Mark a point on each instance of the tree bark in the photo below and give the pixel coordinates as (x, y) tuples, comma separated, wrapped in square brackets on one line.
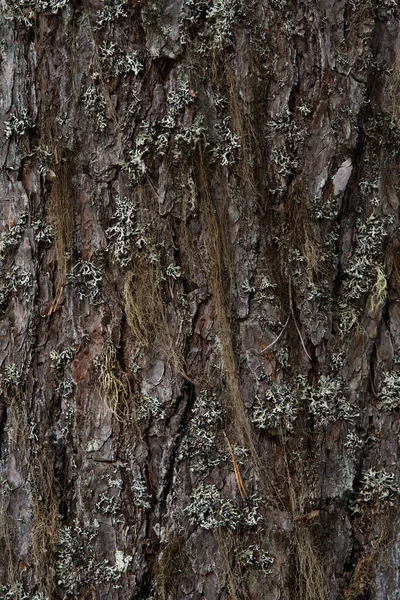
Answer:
[(199, 300)]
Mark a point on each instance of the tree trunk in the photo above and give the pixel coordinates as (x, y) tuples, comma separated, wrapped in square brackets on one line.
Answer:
[(199, 300)]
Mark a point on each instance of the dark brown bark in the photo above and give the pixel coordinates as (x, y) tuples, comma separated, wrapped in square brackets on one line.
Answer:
[(200, 334)]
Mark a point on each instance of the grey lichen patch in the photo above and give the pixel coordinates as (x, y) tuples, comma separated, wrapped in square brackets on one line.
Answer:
[(256, 557), (352, 444), (108, 505), (118, 62), (135, 163), (141, 496), (18, 124), (226, 144), (148, 407), (364, 271), (11, 376), (11, 238), (16, 592), (60, 360), (279, 408), (94, 103), (377, 487), (77, 564), (180, 98), (87, 278), (284, 162), (390, 391), (16, 279), (199, 445), (127, 237), (326, 402), (172, 135), (65, 388), (44, 233), (111, 11), (211, 511), (370, 235), (25, 11), (220, 17)]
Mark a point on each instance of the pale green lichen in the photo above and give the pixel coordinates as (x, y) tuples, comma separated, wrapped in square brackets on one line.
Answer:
[(77, 564), (256, 557), (326, 403), (219, 17), (209, 510), (141, 497), (278, 409), (369, 237), (16, 278), (150, 406), (65, 388), (11, 375), (200, 443), (111, 11), (87, 278), (126, 235), (390, 391), (117, 62), (94, 103), (377, 486), (60, 360), (44, 234), (18, 124), (12, 236)]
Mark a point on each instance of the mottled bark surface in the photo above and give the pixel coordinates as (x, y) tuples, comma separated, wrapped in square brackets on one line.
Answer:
[(199, 299)]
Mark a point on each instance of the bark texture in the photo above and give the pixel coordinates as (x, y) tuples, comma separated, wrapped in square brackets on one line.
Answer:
[(199, 299)]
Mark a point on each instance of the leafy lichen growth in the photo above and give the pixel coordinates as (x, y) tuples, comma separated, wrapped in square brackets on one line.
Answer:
[(390, 391), (111, 11), (116, 62), (60, 360), (44, 234), (326, 403), (24, 11), (141, 497), (126, 235), (11, 238), (11, 375), (278, 410), (65, 388), (18, 124), (15, 279), (17, 592), (370, 234), (150, 406), (210, 511), (87, 279), (220, 18), (200, 442), (377, 486), (256, 557), (94, 103), (77, 565)]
